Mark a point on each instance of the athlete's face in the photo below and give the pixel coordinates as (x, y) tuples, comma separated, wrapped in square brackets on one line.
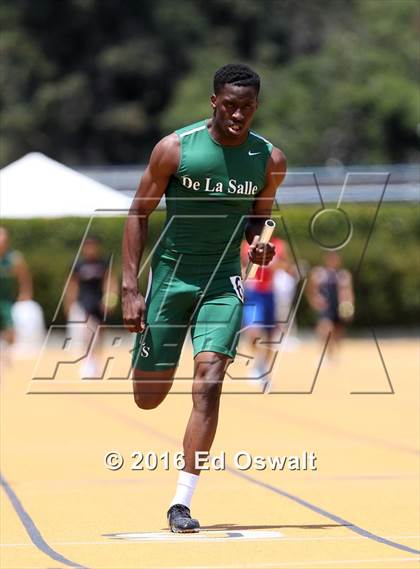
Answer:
[(234, 108), (91, 250), (332, 261)]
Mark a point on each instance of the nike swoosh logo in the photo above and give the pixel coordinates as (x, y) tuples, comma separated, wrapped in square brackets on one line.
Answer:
[(253, 153)]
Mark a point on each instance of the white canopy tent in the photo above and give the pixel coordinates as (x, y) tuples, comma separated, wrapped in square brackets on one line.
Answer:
[(37, 186)]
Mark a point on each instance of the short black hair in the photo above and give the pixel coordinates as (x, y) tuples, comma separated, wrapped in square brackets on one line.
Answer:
[(236, 74)]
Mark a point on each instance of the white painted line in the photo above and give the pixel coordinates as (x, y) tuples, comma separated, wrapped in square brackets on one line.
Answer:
[(283, 538), (203, 535), (306, 564)]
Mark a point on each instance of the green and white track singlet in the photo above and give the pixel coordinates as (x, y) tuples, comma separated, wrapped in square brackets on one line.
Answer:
[(212, 192), (195, 278)]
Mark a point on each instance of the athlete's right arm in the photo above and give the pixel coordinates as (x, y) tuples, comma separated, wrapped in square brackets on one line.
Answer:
[(163, 164)]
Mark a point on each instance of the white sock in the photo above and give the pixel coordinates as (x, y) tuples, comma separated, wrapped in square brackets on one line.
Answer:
[(185, 488)]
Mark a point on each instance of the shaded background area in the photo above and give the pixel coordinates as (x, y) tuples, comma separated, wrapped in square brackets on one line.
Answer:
[(95, 82)]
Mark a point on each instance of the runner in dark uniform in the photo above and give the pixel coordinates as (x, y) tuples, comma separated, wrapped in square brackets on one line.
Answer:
[(330, 293), (91, 275), (91, 294)]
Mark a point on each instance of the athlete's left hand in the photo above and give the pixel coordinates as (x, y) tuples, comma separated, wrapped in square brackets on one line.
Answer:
[(259, 253)]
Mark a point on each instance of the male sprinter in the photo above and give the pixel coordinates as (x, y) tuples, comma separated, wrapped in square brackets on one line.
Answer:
[(219, 180)]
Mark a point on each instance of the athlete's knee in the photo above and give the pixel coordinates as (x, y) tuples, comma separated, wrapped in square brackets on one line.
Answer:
[(147, 401), (151, 389)]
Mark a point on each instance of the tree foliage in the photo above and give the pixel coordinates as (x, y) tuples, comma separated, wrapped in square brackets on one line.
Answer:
[(95, 81)]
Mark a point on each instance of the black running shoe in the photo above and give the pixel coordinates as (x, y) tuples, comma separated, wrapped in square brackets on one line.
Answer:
[(180, 520)]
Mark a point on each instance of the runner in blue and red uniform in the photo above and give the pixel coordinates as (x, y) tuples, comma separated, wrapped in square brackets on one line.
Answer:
[(259, 316)]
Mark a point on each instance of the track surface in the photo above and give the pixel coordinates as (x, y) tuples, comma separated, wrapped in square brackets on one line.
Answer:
[(61, 507)]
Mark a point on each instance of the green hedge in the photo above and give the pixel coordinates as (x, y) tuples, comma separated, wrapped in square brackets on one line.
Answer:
[(386, 285)]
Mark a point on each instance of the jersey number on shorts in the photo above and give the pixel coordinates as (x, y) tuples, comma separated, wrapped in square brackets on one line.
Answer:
[(238, 287)]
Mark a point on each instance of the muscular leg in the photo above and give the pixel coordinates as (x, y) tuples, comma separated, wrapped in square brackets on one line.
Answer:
[(324, 329), (210, 368), (336, 337), (151, 387)]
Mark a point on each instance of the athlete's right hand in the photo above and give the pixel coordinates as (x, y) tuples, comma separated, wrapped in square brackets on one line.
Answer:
[(134, 310)]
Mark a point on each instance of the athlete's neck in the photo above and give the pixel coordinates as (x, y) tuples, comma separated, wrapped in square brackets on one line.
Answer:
[(222, 138)]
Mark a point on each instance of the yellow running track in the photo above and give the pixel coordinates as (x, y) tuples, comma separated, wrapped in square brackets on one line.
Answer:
[(61, 507)]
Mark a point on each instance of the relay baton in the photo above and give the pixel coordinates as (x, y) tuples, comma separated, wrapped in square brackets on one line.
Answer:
[(265, 237)]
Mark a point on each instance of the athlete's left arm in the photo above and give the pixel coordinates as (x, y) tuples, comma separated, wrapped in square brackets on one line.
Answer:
[(276, 171)]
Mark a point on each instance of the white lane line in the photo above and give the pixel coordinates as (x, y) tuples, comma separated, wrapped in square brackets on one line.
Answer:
[(337, 563), (305, 564), (291, 538)]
